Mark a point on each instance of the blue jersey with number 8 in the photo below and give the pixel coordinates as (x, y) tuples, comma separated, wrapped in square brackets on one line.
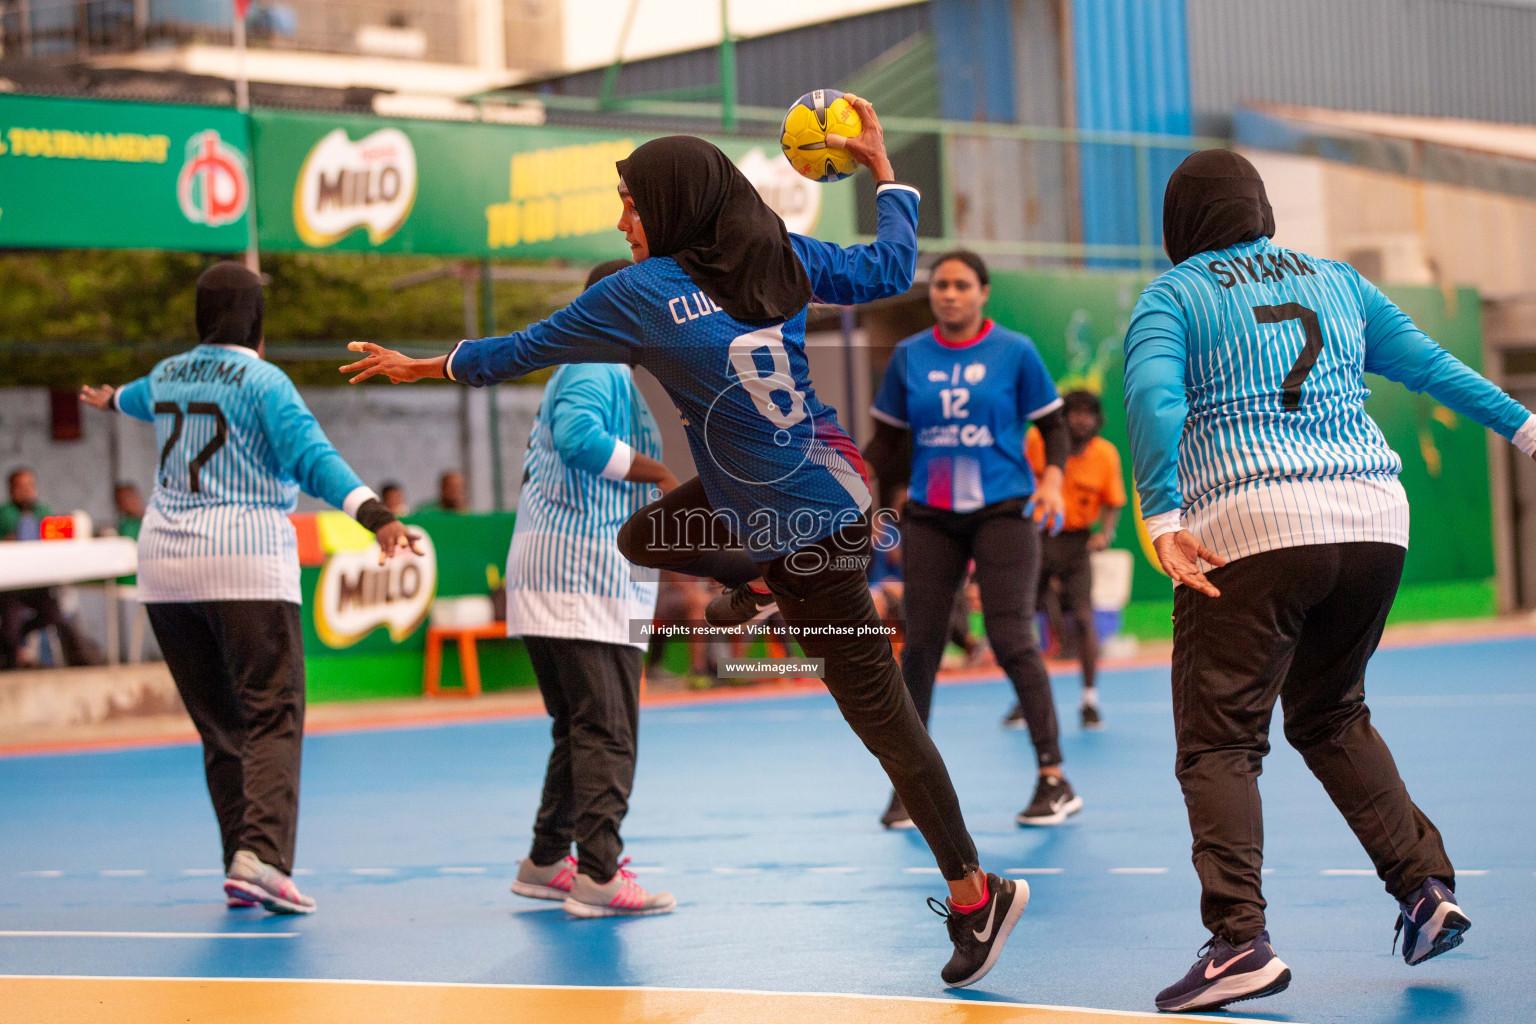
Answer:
[(769, 452)]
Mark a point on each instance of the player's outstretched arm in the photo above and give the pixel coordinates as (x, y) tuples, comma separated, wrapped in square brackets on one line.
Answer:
[(379, 361), (131, 399), (1398, 350), (864, 273)]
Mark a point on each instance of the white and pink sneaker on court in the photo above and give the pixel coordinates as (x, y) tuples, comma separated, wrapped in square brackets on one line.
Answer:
[(251, 880), (620, 896), (552, 882)]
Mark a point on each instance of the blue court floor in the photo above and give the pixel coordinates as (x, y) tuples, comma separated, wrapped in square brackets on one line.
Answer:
[(762, 817)]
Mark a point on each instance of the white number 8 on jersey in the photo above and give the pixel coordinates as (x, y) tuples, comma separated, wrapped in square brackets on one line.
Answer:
[(762, 386)]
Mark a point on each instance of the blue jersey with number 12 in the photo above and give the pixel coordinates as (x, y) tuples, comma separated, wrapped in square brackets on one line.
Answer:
[(968, 405), (769, 452)]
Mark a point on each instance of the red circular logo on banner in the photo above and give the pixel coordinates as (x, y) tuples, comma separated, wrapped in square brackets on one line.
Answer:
[(214, 187)]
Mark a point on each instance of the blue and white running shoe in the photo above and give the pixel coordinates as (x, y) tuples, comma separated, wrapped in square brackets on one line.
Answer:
[(1227, 974), (1430, 923)]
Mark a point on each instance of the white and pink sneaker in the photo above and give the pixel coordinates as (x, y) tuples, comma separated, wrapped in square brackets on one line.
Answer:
[(249, 879), (547, 883), (620, 896)]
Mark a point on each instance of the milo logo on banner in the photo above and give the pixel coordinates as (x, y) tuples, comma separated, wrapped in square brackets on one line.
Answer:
[(355, 594), (345, 185), (214, 186)]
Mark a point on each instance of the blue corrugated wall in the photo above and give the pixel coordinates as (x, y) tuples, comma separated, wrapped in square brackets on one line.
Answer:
[(973, 50), (1132, 64)]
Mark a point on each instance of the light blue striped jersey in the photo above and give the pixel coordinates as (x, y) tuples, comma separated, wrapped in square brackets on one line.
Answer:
[(1245, 398), (236, 445), (565, 575)]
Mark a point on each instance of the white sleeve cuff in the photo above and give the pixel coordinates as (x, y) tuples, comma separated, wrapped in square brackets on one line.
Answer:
[(448, 363), (1046, 409), (619, 462), (1165, 522), (1525, 437), (889, 186), (356, 498), (117, 403)]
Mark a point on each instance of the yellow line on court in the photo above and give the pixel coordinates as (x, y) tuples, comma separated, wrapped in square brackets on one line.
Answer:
[(77, 1000)]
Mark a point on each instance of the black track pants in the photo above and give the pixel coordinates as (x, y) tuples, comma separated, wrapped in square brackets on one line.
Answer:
[(239, 666), (592, 691), (1297, 624), (820, 585), (936, 547)]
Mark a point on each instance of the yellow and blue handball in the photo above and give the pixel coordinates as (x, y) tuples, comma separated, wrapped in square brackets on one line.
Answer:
[(815, 116)]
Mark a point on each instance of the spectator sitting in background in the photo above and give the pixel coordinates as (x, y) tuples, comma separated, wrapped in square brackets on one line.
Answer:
[(393, 497), (22, 518), (452, 494), (130, 509), (23, 611)]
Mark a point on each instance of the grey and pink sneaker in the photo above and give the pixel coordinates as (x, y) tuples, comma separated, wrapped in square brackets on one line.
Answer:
[(552, 882), (620, 896), (250, 879), (239, 902)]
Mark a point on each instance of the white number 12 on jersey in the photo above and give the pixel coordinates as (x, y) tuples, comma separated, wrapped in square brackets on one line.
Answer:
[(954, 400)]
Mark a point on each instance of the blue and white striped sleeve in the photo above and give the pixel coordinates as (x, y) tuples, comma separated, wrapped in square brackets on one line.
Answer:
[(1396, 349), (303, 450), (599, 326), (580, 404), (1156, 405), (133, 399), (864, 273)]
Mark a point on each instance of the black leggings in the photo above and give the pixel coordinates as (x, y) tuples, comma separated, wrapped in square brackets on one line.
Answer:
[(936, 546), (818, 585)]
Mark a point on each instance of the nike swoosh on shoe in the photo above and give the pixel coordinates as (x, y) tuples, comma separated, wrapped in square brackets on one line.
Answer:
[(1212, 971), (986, 933)]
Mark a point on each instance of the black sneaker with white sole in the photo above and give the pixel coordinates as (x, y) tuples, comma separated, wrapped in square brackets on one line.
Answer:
[(1430, 923), (1015, 719), (1227, 973), (979, 935), (1092, 720), (1052, 804), (896, 816), (737, 606)]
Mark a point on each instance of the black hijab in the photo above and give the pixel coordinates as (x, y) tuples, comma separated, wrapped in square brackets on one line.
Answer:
[(1215, 198), (229, 306), (699, 209)]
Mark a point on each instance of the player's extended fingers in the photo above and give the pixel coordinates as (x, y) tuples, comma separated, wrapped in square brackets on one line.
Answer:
[(1210, 556), (360, 364), (865, 110), (366, 346), (370, 371), (410, 541)]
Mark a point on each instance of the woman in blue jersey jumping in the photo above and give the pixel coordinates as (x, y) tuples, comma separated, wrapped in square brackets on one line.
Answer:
[(960, 397), (715, 309)]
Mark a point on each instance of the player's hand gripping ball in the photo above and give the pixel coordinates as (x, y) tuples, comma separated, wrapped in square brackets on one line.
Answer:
[(808, 124)]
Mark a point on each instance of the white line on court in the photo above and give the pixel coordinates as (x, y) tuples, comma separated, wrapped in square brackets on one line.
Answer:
[(651, 869), (149, 935), (201, 872), (303, 871), (461, 871), (51, 873), (1033, 871), (837, 869), (1138, 871), (1463, 872), (921, 871), (124, 873), (1266, 871), (1349, 872), (737, 871), (374, 872)]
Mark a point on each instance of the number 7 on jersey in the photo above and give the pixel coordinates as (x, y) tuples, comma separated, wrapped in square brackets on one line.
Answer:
[(1291, 386)]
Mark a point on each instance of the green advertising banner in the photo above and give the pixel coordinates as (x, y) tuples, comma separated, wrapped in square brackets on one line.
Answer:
[(1078, 321), (109, 175), (468, 189)]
